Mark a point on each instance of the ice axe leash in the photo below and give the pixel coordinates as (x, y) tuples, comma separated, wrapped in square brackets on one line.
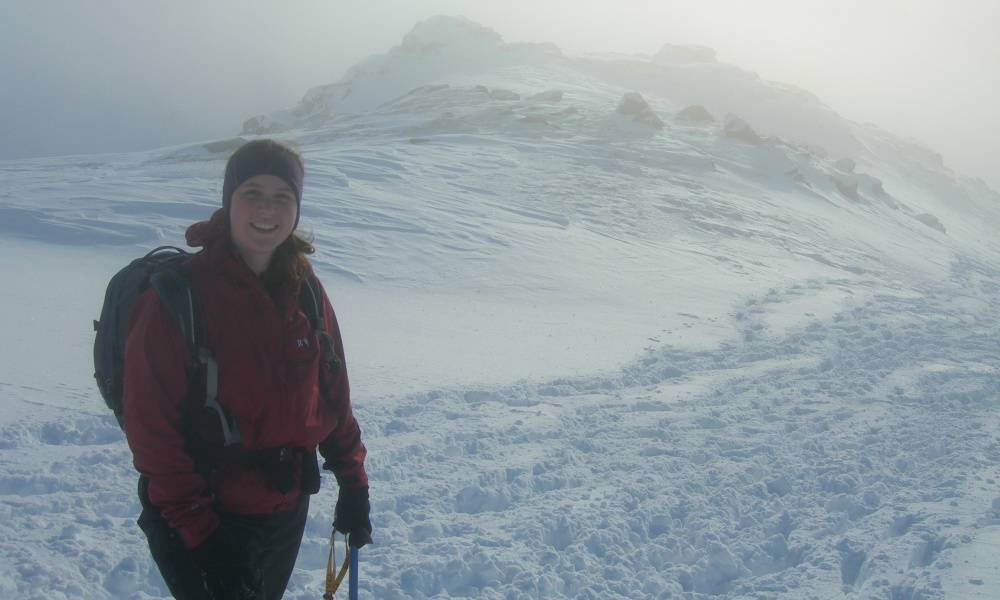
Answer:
[(333, 578)]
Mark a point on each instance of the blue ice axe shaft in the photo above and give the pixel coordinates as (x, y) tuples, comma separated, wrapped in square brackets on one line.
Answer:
[(352, 583)]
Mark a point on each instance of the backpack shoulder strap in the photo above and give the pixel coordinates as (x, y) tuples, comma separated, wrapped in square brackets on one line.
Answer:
[(311, 301), (175, 293)]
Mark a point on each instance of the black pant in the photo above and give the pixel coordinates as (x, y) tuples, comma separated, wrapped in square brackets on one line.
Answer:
[(277, 537)]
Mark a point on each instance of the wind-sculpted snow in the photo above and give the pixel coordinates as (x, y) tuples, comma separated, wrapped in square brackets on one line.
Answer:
[(85, 202), (592, 355)]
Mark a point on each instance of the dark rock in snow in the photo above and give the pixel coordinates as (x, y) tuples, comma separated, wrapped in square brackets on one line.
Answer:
[(848, 188), (634, 105), (737, 128), (696, 112), (548, 96), (505, 95), (797, 176), (931, 221), (845, 164)]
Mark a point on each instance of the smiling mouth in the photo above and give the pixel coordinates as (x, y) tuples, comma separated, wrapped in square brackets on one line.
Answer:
[(262, 227)]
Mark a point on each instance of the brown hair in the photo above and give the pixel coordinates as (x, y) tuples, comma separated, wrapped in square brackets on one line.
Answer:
[(289, 264)]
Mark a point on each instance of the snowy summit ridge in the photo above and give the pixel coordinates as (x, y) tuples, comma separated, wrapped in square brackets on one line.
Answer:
[(637, 327), (447, 57), (437, 48)]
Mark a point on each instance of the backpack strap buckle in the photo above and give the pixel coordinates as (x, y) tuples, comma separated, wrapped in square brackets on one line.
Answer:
[(230, 428), (309, 299)]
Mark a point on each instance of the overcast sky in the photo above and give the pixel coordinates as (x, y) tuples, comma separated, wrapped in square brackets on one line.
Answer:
[(121, 75)]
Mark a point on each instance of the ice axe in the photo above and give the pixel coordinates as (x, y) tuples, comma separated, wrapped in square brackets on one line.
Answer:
[(352, 581)]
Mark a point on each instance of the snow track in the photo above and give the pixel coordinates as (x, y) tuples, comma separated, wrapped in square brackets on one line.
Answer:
[(747, 470)]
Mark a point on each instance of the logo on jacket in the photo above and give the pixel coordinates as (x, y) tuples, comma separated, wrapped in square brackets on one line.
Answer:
[(302, 342)]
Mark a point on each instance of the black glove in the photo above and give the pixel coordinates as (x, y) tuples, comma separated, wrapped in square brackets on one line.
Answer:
[(351, 516), (230, 569)]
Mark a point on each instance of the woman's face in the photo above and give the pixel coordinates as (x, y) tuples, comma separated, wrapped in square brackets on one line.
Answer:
[(261, 216)]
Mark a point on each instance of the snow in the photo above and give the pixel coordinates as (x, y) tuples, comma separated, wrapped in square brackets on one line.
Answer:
[(592, 356)]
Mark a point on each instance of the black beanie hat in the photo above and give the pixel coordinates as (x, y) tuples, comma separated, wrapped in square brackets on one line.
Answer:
[(263, 157)]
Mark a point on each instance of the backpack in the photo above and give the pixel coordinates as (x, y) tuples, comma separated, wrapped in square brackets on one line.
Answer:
[(160, 268)]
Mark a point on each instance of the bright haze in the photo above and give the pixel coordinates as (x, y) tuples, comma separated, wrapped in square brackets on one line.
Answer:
[(117, 76)]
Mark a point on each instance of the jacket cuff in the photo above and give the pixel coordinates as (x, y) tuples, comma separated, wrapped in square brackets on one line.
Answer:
[(198, 530)]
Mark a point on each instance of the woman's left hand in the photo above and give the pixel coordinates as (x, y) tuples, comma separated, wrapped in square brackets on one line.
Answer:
[(351, 516)]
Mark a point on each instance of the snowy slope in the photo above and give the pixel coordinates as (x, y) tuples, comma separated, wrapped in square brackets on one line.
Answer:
[(603, 343)]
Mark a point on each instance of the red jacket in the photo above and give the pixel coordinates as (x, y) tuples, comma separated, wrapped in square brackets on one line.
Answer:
[(268, 358)]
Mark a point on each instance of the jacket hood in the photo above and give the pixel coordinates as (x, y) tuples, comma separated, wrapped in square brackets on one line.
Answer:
[(208, 233), (218, 252)]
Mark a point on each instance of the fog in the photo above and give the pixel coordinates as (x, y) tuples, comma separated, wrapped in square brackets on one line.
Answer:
[(118, 76)]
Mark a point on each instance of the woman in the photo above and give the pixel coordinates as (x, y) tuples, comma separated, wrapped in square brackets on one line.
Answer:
[(226, 521)]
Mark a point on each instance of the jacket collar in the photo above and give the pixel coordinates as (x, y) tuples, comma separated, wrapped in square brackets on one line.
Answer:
[(220, 256)]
